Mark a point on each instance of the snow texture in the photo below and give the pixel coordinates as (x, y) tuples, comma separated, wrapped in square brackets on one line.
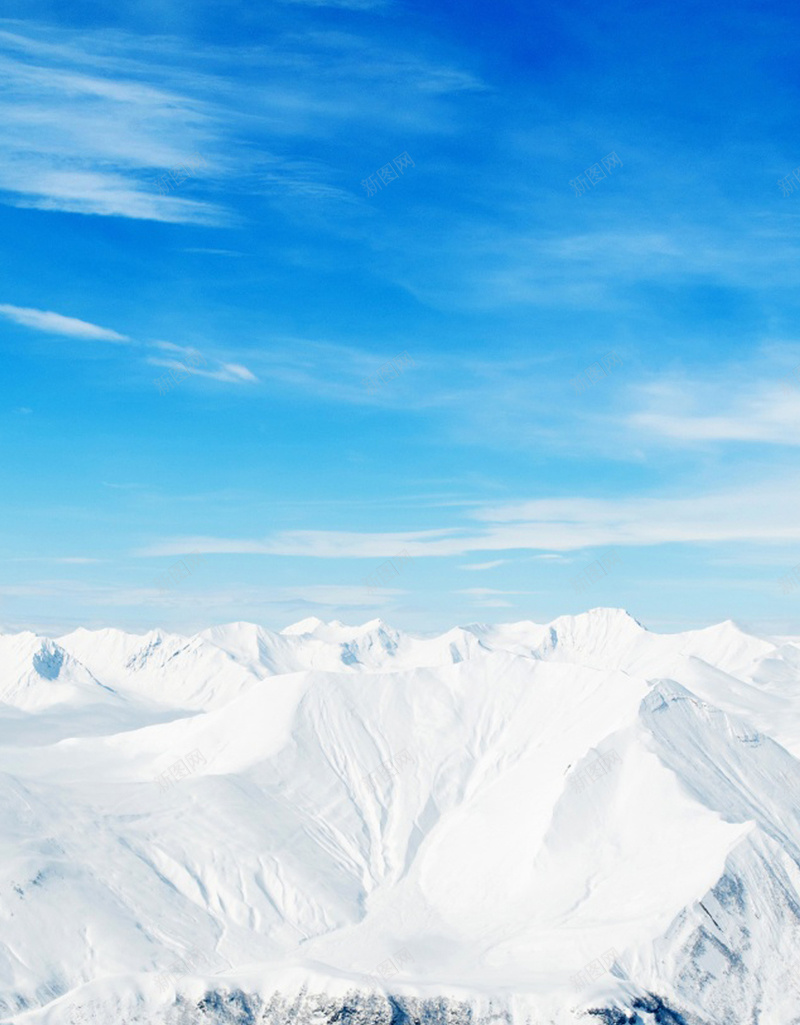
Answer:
[(334, 825)]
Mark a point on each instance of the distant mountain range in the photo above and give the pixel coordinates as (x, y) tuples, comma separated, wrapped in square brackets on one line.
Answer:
[(544, 823)]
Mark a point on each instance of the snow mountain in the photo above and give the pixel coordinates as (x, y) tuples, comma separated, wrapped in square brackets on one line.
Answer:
[(538, 823)]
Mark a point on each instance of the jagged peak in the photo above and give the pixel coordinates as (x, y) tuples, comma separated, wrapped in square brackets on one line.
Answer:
[(602, 617), (303, 626), (373, 625)]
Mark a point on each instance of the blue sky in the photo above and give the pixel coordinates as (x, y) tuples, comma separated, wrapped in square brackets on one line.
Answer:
[(282, 287)]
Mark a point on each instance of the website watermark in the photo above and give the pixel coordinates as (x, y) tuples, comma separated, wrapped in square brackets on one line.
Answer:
[(174, 376), (598, 768), (194, 962), (596, 570), (595, 969), (390, 768), (387, 571), (388, 372), (181, 769), (178, 571), (787, 184), (596, 372), (171, 179), (790, 581), (592, 175), (387, 173), (392, 966), (792, 379)]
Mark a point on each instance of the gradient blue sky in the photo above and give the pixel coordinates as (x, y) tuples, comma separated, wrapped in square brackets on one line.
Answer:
[(273, 266)]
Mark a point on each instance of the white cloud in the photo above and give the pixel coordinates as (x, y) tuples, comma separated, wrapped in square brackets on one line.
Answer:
[(81, 192), (487, 592), (184, 350), (350, 5), (764, 513), (70, 560), (233, 373), (91, 122), (503, 562), (742, 404), (236, 370), (83, 134), (211, 252), (58, 324), (485, 565)]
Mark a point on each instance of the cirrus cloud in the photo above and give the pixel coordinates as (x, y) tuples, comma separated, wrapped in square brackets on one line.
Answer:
[(57, 324)]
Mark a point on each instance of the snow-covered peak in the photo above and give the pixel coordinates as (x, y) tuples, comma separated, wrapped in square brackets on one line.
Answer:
[(602, 636), (726, 646), (37, 673), (305, 626)]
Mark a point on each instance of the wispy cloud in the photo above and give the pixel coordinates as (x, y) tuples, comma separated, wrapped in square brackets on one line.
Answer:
[(67, 560), (211, 252), (764, 514), (86, 132), (237, 372), (92, 122), (485, 565), (301, 178), (110, 194), (219, 600), (350, 5), (233, 373), (747, 406), (58, 324), (503, 562), (333, 371), (487, 592)]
